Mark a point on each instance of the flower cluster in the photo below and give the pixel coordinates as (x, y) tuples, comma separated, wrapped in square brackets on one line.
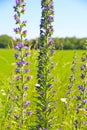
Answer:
[(70, 104), (44, 88), (82, 97), (77, 96), (20, 102)]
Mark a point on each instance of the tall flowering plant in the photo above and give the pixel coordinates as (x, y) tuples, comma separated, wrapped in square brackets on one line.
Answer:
[(70, 99), (19, 107), (82, 100), (45, 104), (70, 111)]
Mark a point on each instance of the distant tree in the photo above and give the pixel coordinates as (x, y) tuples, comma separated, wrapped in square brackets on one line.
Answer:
[(60, 43), (6, 41)]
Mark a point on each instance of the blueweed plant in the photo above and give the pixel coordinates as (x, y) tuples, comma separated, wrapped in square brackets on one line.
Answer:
[(75, 111), (45, 105), (19, 107), (82, 98), (70, 102), (71, 94)]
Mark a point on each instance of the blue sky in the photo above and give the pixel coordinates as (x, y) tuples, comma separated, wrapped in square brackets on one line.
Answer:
[(70, 18)]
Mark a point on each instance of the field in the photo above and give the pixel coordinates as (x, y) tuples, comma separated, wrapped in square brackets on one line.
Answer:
[(61, 72)]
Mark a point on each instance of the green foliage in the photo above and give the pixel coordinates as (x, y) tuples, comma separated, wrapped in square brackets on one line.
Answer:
[(60, 43), (63, 43), (70, 43), (6, 41), (61, 71)]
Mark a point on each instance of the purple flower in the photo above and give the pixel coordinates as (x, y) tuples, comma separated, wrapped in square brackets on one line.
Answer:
[(80, 86), (46, 8), (14, 7), (15, 98), (27, 63), (83, 67), (16, 30), (83, 59), (44, 109), (16, 117), (45, 55), (42, 21), (26, 87), (16, 18), (48, 71), (76, 123), (24, 4), (27, 54), (41, 76), (24, 22), (19, 46), (17, 2), (50, 42), (20, 124), (16, 55), (39, 117), (20, 63), (39, 129), (26, 103), (84, 122), (29, 77), (47, 30), (26, 47), (50, 109), (77, 110), (50, 85), (30, 113), (54, 91), (82, 76), (50, 19), (41, 93), (83, 89), (52, 63), (78, 97), (17, 39), (17, 70), (25, 32), (52, 51), (50, 125), (17, 77), (27, 70), (84, 101), (41, 31), (79, 105)]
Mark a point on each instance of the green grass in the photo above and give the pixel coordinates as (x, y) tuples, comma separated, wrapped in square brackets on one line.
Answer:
[(63, 61)]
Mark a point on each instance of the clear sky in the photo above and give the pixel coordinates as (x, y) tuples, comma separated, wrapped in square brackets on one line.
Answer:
[(70, 18)]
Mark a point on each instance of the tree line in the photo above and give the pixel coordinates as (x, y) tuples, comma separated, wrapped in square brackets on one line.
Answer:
[(67, 43)]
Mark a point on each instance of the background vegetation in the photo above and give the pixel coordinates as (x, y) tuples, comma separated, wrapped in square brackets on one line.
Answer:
[(60, 43), (62, 71)]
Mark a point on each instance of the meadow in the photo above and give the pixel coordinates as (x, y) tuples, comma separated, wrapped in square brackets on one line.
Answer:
[(63, 62)]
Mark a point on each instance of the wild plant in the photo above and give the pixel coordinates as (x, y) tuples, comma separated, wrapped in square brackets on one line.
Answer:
[(19, 107), (45, 104), (82, 98), (70, 100)]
